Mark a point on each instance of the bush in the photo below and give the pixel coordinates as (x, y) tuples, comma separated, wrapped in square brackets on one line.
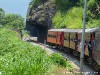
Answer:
[(59, 60)]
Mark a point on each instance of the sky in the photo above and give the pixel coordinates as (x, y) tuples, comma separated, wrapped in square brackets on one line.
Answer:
[(15, 6)]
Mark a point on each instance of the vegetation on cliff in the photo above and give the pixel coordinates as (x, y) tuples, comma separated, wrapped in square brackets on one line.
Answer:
[(69, 13)]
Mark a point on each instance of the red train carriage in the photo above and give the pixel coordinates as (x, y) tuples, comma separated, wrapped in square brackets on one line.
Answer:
[(55, 37)]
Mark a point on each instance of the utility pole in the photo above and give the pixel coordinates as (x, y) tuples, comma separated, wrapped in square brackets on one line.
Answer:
[(83, 38)]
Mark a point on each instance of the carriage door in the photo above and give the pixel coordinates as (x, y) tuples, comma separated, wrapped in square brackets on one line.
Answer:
[(76, 41), (93, 41), (62, 38)]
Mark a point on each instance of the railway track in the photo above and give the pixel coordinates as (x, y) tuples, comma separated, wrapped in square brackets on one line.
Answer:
[(88, 70)]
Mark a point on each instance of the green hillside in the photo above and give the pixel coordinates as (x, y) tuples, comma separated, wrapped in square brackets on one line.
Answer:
[(69, 13), (20, 58)]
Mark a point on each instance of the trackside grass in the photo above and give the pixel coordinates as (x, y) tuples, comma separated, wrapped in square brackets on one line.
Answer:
[(20, 58)]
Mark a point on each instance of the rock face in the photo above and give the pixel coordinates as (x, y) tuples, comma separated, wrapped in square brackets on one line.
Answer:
[(39, 19)]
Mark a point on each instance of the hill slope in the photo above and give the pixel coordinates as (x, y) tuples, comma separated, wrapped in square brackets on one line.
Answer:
[(21, 58), (69, 13)]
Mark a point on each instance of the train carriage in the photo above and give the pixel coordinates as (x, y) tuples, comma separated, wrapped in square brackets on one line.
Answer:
[(71, 36), (70, 41), (89, 36), (55, 37), (96, 52)]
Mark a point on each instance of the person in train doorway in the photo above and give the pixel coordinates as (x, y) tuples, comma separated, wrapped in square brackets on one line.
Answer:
[(76, 46), (76, 41), (90, 49), (21, 35)]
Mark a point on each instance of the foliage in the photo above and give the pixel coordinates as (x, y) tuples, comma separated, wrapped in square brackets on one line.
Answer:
[(59, 60), (37, 2), (70, 19), (20, 58), (72, 16), (13, 21), (65, 4), (94, 7), (2, 13)]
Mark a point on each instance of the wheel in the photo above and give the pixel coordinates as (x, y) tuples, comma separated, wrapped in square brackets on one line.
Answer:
[(90, 61), (67, 50), (64, 49), (74, 53)]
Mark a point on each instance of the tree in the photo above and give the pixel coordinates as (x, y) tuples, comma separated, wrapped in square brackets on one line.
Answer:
[(2, 13), (13, 21)]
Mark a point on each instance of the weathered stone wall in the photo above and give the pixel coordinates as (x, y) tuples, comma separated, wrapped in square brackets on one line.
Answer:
[(40, 17)]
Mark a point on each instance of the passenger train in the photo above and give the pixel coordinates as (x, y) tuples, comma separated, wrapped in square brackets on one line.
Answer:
[(69, 40)]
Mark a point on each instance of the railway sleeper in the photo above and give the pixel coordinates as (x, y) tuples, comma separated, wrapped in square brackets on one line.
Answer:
[(75, 53)]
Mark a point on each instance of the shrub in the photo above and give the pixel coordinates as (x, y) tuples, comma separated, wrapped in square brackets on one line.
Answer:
[(59, 60)]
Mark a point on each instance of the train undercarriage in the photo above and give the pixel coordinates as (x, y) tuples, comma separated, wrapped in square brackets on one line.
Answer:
[(87, 59)]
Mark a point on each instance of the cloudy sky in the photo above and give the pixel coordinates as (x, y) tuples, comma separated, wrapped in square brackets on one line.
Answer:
[(15, 6)]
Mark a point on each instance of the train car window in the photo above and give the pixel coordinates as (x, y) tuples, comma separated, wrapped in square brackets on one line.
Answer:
[(48, 35), (52, 36), (65, 38), (71, 39)]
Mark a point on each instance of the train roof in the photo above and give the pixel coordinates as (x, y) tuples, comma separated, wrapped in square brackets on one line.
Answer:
[(58, 30), (72, 30), (76, 30), (90, 30)]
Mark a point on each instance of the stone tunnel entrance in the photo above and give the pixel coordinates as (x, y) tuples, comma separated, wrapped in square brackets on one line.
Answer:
[(37, 30), (42, 35)]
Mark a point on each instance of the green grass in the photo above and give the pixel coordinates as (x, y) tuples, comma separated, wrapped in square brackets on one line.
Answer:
[(60, 61), (70, 19), (69, 14), (20, 58)]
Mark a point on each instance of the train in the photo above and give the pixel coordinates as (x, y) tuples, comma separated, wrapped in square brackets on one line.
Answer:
[(69, 41)]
